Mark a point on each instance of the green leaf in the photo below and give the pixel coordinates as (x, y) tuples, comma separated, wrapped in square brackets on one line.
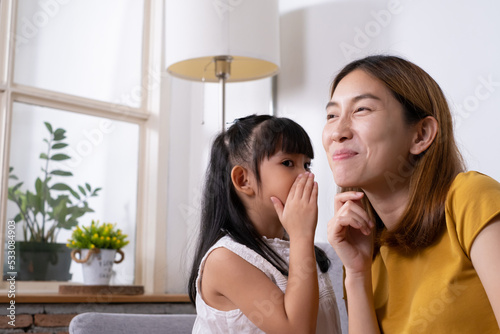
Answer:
[(82, 190), (17, 186), (60, 212), (60, 186), (23, 201), (75, 194), (49, 127), (59, 134), (88, 187), (61, 173), (55, 202), (70, 223), (59, 157), (95, 191), (38, 185), (44, 156), (59, 146), (11, 196), (13, 177), (18, 218), (35, 202)]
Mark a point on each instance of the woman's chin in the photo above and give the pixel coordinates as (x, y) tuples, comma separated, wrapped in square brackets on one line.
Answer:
[(345, 182)]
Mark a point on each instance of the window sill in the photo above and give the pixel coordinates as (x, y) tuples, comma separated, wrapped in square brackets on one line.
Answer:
[(94, 298)]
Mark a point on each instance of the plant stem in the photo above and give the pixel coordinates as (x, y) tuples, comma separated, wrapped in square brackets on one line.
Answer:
[(44, 186)]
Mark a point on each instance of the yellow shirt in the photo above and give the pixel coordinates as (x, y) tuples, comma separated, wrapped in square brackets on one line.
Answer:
[(438, 290)]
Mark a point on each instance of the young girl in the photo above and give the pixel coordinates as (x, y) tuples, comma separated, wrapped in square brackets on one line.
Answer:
[(255, 266)]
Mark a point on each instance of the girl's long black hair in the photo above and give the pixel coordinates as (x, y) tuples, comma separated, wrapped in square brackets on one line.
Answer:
[(247, 142)]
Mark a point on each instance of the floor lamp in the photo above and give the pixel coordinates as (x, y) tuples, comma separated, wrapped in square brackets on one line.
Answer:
[(222, 41)]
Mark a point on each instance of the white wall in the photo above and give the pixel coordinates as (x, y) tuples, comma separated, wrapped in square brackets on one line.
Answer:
[(455, 41)]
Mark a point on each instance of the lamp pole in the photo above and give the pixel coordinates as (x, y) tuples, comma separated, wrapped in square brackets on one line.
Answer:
[(222, 72)]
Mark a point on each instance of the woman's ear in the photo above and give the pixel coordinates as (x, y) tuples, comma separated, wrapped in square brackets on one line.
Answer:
[(242, 181), (425, 133)]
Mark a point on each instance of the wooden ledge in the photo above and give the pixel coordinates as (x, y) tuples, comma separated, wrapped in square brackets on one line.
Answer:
[(55, 298), (80, 289)]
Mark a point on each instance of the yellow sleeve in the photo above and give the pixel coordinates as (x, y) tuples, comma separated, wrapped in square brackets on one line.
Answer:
[(473, 201)]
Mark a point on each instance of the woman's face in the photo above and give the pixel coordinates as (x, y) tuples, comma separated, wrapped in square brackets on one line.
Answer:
[(365, 137)]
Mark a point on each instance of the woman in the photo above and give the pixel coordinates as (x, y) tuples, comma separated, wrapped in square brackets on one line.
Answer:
[(418, 237)]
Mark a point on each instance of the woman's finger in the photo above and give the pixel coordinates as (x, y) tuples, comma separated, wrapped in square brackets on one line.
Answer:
[(358, 222), (342, 198), (355, 208)]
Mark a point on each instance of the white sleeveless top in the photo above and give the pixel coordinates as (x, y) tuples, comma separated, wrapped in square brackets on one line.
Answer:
[(211, 320)]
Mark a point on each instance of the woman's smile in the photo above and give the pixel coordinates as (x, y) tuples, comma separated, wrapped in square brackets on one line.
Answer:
[(343, 154)]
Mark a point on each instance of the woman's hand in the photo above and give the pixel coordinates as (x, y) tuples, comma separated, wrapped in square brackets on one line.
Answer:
[(350, 232), (299, 215)]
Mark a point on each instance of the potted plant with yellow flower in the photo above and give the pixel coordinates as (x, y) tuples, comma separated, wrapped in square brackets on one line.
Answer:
[(96, 246)]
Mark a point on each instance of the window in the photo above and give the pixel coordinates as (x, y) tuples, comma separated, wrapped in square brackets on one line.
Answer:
[(93, 69)]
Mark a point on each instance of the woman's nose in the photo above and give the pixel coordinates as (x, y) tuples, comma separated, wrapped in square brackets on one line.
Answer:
[(341, 130)]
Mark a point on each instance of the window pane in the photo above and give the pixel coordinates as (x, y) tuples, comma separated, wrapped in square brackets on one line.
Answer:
[(88, 48), (104, 154), (3, 41)]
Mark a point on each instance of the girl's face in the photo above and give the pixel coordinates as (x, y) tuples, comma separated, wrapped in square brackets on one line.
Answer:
[(278, 173), (365, 137)]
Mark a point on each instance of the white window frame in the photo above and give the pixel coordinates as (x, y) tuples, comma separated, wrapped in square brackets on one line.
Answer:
[(150, 257)]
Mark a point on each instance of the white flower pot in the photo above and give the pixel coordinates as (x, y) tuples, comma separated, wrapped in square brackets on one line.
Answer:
[(97, 266)]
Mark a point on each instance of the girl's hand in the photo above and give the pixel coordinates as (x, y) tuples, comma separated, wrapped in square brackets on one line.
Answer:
[(299, 215), (350, 232)]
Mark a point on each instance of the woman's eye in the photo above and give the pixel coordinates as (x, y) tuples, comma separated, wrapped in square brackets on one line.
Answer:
[(287, 163), (361, 109), (330, 116)]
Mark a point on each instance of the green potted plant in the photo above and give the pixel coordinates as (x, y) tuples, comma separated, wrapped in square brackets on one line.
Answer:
[(51, 207), (96, 246)]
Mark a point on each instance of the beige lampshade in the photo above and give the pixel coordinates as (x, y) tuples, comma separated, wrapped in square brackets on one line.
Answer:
[(199, 30)]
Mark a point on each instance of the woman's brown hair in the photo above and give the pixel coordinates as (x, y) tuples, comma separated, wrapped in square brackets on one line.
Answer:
[(433, 171)]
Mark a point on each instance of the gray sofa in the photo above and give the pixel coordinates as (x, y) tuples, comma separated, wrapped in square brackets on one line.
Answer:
[(119, 323), (114, 323)]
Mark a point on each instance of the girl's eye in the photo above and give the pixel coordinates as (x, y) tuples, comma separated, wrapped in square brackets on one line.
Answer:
[(307, 166), (287, 163)]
